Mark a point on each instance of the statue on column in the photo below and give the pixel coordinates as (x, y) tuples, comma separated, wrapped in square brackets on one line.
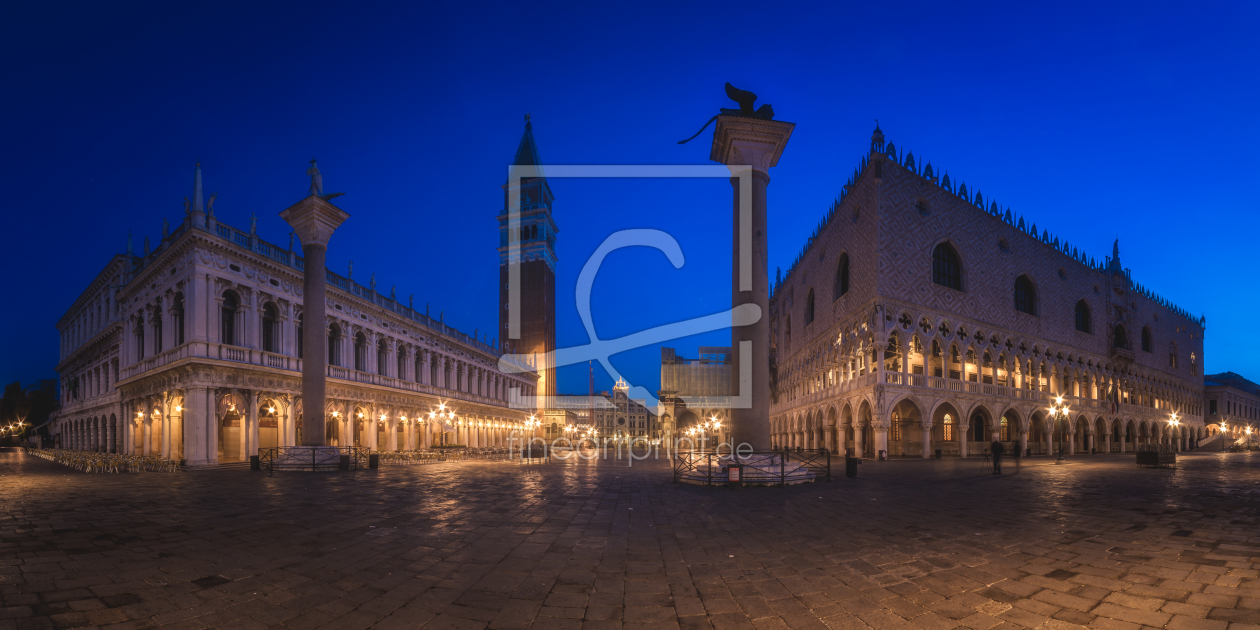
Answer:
[(166, 228), (372, 283), (350, 272), (253, 223), (392, 295), (187, 207), (317, 180)]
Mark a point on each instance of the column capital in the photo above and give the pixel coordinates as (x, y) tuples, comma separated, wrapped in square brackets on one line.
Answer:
[(739, 140), (314, 220)]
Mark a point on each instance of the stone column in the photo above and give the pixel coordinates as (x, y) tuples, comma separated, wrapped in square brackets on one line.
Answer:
[(251, 448), (927, 439), (755, 143), (964, 429), (314, 220)]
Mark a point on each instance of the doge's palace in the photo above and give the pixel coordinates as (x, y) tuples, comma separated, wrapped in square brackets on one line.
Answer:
[(191, 350), (917, 320)]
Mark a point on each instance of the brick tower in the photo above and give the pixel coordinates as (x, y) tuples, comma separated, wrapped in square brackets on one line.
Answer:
[(529, 243)]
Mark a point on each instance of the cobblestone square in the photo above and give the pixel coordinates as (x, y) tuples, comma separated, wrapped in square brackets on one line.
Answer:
[(922, 544)]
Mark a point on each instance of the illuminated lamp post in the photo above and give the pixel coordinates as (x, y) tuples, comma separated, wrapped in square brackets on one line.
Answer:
[(1059, 411)]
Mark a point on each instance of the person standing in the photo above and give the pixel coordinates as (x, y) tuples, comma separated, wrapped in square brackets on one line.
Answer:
[(998, 451)]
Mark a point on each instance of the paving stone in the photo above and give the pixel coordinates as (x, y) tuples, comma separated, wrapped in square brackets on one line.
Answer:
[(912, 544)]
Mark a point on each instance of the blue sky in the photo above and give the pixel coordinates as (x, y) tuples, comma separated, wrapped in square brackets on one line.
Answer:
[(1095, 120)]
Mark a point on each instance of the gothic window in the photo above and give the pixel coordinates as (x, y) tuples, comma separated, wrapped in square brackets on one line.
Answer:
[(809, 307), (269, 317), (946, 270), (1172, 355), (947, 430), (227, 317), (1025, 296), (842, 277), (1005, 432), (977, 425), (788, 341), (382, 351), (896, 427), (1146, 339), (177, 319), (1118, 337), (1082, 316)]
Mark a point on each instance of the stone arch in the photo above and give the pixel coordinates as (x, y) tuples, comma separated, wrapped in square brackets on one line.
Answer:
[(906, 416), (230, 411), (980, 421), (949, 434), (863, 432)]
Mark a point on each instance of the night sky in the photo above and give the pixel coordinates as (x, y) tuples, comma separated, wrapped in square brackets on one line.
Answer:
[(1093, 120)]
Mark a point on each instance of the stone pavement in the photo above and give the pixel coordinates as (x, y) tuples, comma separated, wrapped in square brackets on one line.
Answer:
[(920, 544)]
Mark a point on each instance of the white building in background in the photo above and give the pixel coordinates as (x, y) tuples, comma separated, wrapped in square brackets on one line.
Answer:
[(191, 350), (615, 415)]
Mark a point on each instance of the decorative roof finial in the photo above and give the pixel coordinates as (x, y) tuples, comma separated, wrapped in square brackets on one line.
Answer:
[(197, 204), (877, 139)]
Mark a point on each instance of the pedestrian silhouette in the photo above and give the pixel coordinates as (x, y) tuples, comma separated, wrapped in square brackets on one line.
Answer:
[(998, 451)]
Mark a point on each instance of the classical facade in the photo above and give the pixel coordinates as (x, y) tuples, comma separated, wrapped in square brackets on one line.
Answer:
[(615, 414), (192, 350), (1231, 399), (693, 390), (919, 319)]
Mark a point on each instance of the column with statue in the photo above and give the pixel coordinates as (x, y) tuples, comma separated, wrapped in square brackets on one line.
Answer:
[(313, 220)]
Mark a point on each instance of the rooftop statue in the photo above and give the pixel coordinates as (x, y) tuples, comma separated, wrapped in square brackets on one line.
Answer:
[(745, 100)]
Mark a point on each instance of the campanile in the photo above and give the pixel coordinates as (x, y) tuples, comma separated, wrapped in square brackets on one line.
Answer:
[(528, 242)]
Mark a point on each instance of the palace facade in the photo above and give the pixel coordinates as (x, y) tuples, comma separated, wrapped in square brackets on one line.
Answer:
[(192, 350), (917, 320)]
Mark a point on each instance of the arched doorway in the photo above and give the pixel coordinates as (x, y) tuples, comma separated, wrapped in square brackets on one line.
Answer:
[(269, 424), (231, 428)]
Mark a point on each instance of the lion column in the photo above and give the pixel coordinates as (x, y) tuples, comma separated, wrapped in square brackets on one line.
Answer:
[(750, 147)]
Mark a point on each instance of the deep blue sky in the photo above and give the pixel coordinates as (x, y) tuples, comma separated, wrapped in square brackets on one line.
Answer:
[(1093, 120)]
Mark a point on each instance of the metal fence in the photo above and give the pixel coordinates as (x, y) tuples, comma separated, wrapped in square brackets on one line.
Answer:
[(774, 467), (313, 458)]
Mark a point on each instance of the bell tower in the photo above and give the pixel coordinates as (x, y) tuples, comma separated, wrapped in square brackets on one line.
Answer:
[(527, 244)]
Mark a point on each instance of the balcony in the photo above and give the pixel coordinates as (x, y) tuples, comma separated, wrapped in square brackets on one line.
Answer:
[(1123, 356)]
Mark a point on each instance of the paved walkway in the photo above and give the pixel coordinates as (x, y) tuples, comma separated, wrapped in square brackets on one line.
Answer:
[(910, 544)]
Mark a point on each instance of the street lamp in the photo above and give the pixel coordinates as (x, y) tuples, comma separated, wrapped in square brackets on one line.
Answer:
[(1223, 428), (1173, 423), (1059, 411)]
